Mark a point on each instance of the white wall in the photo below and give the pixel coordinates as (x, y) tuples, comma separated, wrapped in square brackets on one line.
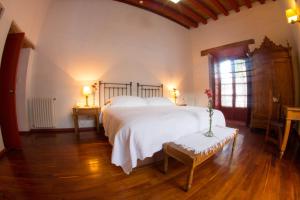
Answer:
[(28, 15), (255, 23), (296, 36), (83, 41), (22, 93), (4, 28)]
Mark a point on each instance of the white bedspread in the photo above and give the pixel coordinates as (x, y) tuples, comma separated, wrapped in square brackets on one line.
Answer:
[(139, 132)]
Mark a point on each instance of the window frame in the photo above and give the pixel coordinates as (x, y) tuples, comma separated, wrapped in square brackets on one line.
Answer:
[(233, 83)]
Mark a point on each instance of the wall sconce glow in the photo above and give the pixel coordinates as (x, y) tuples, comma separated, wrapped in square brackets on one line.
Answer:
[(175, 1), (171, 86), (292, 16), (86, 92)]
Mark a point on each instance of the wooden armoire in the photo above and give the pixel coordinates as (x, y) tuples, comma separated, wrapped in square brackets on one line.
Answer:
[(272, 80)]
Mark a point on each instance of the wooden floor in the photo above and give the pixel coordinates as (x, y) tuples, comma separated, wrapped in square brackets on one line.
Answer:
[(57, 166)]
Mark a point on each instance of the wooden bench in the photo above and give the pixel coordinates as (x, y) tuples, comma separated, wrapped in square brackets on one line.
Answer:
[(192, 159)]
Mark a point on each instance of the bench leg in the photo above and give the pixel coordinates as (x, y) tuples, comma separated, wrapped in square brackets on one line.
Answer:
[(166, 162), (234, 141), (190, 178)]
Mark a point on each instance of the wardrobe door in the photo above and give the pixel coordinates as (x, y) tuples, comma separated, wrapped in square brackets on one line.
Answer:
[(261, 91), (283, 84)]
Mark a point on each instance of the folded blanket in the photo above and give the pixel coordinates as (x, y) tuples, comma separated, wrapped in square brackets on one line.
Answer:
[(201, 144)]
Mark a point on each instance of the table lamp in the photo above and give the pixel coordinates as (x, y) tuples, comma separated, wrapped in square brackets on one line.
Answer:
[(86, 92), (175, 94)]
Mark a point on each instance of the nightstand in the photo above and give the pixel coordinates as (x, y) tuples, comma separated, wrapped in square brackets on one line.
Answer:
[(87, 111), (181, 104)]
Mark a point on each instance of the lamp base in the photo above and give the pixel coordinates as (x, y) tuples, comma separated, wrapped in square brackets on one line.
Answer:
[(86, 101), (209, 134)]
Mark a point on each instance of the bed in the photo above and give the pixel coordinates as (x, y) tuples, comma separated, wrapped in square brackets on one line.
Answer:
[(137, 127)]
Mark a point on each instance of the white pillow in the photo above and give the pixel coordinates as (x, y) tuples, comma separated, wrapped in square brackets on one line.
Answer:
[(126, 101), (159, 101)]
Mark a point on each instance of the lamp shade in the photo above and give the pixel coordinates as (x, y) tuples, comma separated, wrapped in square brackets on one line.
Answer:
[(86, 90), (175, 1), (292, 15)]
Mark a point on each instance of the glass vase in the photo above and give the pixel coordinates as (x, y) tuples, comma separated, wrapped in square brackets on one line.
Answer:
[(209, 133)]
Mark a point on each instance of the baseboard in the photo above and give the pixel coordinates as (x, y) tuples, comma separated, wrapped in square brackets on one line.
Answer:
[(24, 132), (2, 153), (234, 122), (61, 130), (58, 130)]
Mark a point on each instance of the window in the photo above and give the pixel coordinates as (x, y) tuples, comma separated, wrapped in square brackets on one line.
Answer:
[(233, 81)]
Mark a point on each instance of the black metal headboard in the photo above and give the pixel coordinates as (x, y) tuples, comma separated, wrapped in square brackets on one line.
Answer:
[(109, 90), (150, 90)]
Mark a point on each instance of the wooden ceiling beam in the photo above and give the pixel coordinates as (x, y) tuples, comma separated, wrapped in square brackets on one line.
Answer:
[(235, 5), (220, 7), (162, 10), (187, 12), (248, 3), (197, 5)]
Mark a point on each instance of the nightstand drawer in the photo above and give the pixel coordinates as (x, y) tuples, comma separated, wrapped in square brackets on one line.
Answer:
[(86, 111)]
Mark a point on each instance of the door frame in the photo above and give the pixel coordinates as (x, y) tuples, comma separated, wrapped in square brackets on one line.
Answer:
[(26, 43), (8, 79)]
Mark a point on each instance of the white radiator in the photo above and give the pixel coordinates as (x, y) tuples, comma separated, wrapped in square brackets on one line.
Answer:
[(42, 113)]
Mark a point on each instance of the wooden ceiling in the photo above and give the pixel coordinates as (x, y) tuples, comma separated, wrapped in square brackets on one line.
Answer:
[(191, 13)]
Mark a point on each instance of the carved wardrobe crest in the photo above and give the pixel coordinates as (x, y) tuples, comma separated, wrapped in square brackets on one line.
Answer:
[(272, 78)]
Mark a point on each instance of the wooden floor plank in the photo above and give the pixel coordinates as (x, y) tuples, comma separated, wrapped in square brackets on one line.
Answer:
[(58, 166)]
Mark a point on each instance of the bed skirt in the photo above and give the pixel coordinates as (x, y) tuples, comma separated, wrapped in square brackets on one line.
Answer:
[(158, 156)]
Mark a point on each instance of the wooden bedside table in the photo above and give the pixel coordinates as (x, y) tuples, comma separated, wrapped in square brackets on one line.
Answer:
[(181, 104), (87, 111)]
